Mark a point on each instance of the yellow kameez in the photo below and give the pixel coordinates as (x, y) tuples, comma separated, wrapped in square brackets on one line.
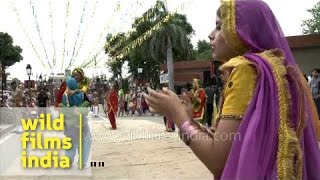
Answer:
[(239, 87)]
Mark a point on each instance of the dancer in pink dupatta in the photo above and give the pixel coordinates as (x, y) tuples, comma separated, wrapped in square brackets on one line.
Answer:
[(267, 121)]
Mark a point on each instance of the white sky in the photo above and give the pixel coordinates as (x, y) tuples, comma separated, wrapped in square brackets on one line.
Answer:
[(101, 17)]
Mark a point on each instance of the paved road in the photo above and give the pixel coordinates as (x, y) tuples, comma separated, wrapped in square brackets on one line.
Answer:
[(139, 149)]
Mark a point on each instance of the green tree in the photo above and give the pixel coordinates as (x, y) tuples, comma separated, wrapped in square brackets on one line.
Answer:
[(9, 54), (171, 38), (125, 85), (16, 80), (152, 52), (140, 57), (312, 26), (116, 68), (112, 48), (203, 51)]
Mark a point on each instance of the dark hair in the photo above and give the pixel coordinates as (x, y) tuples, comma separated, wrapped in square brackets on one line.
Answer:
[(316, 70), (116, 86), (106, 87), (219, 12)]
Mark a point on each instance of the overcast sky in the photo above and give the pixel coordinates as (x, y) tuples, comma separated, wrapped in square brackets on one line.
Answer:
[(24, 19)]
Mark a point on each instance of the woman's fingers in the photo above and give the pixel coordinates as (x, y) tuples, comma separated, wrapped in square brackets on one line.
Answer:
[(156, 100), (145, 95), (150, 99), (154, 110), (152, 105), (165, 90), (158, 96), (169, 93), (155, 94), (163, 102), (185, 98)]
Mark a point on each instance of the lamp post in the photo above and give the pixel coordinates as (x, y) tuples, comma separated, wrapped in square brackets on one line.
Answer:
[(145, 77), (40, 80), (3, 74), (29, 72), (140, 72), (104, 79)]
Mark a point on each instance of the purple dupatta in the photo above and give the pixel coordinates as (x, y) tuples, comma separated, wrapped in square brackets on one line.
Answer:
[(250, 27)]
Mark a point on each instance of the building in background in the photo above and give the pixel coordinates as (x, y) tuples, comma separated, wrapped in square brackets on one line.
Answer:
[(305, 48)]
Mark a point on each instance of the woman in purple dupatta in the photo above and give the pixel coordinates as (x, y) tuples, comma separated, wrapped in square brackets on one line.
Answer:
[(267, 104)]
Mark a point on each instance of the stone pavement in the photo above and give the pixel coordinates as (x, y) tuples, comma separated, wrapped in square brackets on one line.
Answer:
[(139, 149)]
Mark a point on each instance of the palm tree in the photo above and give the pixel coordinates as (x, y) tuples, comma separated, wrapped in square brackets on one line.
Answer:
[(170, 41), (172, 37)]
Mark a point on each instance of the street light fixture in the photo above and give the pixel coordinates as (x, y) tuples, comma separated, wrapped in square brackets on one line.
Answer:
[(29, 72)]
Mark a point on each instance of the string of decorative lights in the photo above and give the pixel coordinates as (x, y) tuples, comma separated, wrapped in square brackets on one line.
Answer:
[(65, 33), (52, 39), (35, 18), (78, 33), (27, 34), (86, 29)]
